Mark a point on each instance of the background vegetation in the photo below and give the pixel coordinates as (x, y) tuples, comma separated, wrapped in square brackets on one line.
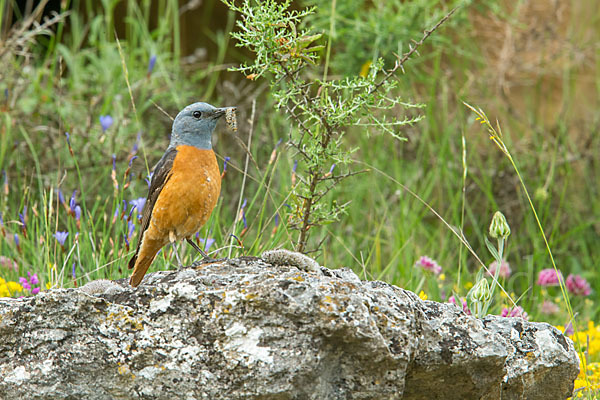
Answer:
[(533, 66)]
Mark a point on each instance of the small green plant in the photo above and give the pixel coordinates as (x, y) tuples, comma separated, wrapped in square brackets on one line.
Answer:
[(322, 109), (481, 294)]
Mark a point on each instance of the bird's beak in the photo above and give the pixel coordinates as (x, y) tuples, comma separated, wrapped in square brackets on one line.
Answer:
[(219, 112), (230, 116)]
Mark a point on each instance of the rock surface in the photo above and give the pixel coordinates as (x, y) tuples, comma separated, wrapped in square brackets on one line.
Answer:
[(245, 329)]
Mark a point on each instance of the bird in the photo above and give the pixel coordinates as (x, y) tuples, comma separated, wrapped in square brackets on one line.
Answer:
[(184, 187)]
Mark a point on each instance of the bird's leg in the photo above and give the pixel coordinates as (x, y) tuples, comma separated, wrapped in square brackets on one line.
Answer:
[(198, 249), (206, 259), (177, 255)]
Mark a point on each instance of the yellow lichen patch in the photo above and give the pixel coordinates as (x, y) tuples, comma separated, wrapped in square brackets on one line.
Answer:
[(298, 278), (124, 369), (251, 296), (122, 318), (328, 304)]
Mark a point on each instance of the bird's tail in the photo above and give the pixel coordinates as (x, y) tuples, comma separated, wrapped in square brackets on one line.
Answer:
[(141, 261)]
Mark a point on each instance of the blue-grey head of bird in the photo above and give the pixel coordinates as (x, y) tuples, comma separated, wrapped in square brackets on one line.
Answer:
[(194, 125)]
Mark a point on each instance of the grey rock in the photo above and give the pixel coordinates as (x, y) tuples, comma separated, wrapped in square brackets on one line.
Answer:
[(246, 329), (292, 258)]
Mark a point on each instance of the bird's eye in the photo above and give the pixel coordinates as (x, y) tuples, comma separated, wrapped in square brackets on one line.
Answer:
[(197, 114)]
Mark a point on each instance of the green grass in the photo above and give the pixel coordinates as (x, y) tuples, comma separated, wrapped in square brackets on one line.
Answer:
[(77, 74)]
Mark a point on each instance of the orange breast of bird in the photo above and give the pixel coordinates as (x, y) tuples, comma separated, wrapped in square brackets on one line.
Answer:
[(189, 195)]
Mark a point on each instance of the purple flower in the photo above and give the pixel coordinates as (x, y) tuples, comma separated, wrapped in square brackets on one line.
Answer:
[(277, 219), (24, 283), (61, 197), (429, 264), (134, 149), (578, 285), (149, 179), (331, 169), (225, 163), (130, 229), (17, 242), (207, 243), (72, 202), (33, 278), (105, 121), (61, 237), (515, 312), (504, 269), (295, 166), (73, 271), (77, 213), (131, 160), (569, 329), (68, 138), (29, 283), (138, 204), (151, 64), (548, 277), (22, 218), (243, 213)]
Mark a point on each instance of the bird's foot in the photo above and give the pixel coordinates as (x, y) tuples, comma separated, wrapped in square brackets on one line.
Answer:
[(207, 260)]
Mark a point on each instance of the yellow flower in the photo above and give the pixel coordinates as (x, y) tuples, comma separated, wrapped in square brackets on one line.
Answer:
[(593, 335), (442, 277), (593, 377), (468, 285), (9, 288), (422, 295), (14, 287)]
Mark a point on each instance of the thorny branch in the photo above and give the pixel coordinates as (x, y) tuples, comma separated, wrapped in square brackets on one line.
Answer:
[(310, 103)]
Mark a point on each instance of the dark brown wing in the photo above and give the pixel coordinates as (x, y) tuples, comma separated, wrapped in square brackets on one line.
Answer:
[(159, 178)]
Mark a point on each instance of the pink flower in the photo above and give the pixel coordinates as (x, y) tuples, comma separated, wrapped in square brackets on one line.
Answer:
[(578, 285), (504, 269), (548, 277), (30, 282), (8, 263), (24, 283), (33, 278), (465, 307), (428, 264), (515, 312), (549, 308)]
